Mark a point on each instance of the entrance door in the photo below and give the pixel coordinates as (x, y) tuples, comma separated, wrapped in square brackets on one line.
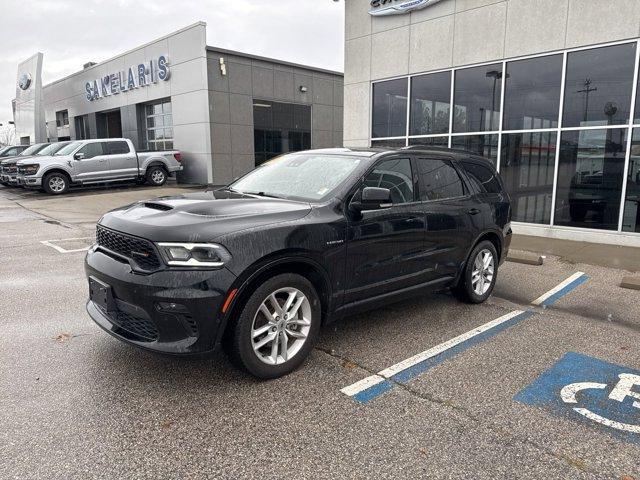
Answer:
[(114, 124)]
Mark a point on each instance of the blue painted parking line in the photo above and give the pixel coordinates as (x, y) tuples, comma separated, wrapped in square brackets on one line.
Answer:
[(373, 386), (590, 390)]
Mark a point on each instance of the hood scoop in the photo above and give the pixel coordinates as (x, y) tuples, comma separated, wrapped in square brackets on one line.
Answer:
[(158, 206)]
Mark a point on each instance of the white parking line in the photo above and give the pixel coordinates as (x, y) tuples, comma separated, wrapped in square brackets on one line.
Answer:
[(569, 281), (50, 243)]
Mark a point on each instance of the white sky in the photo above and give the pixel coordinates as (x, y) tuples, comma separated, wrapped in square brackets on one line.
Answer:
[(71, 32)]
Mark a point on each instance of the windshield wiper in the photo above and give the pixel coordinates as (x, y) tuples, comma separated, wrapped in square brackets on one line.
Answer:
[(264, 194)]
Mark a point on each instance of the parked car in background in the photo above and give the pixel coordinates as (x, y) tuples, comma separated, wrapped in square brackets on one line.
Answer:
[(8, 167), (301, 241), (12, 150), (87, 162)]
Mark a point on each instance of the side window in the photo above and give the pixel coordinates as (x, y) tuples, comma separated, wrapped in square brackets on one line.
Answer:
[(12, 152), (395, 175), (91, 150), (438, 179), (483, 176), (116, 148)]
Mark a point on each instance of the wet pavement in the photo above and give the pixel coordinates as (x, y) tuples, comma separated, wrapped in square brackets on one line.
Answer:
[(76, 403)]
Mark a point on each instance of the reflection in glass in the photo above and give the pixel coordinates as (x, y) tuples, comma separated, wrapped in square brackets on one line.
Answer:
[(397, 143), (598, 86), (590, 178), (476, 99), (631, 219), (532, 93), (390, 108), (527, 166), (430, 98), (483, 145), (430, 141)]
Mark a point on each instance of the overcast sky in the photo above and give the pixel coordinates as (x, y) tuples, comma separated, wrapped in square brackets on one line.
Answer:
[(70, 32)]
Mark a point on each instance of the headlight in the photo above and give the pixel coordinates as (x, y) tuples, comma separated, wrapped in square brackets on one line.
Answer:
[(205, 255), (31, 169)]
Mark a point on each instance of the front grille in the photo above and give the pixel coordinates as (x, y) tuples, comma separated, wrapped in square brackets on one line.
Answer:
[(140, 327), (11, 169), (140, 251)]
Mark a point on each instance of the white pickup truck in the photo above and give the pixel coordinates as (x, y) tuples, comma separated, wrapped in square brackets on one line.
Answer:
[(87, 162)]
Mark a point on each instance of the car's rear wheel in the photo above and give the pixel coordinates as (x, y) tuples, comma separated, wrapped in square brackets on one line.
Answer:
[(277, 327), (55, 183), (156, 176), (479, 275)]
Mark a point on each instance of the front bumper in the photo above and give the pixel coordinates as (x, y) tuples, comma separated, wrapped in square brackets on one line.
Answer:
[(30, 181), (169, 311)]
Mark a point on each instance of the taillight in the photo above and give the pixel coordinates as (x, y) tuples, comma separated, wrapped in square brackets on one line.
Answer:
[(178, 157)]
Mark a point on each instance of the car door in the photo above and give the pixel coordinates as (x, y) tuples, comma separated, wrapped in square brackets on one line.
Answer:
[(123, 162), (90, 162), (450, 214), (384, 247)]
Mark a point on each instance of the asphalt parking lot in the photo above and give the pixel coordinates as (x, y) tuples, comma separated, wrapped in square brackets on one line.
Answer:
[(483, 400)]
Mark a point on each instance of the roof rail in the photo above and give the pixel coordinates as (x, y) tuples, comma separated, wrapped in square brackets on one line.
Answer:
[(439, 148)]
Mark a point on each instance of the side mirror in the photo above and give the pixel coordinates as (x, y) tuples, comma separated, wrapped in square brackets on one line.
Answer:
[(78, 156), (372, 198)]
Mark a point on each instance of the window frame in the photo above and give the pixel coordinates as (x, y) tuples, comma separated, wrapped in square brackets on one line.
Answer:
[(453, 163)]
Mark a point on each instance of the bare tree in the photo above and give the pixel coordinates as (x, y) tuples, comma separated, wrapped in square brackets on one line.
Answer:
[(8, 135)]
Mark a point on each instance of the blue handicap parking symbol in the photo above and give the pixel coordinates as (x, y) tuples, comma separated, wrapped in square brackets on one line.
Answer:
[(590, 390)]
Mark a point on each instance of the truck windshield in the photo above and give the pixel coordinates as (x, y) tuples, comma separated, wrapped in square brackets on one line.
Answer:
[(52, 149), (33, 149), (68, 149), (298, 176)]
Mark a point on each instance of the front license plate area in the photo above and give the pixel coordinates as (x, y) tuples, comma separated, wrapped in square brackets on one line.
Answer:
[(102, 295)]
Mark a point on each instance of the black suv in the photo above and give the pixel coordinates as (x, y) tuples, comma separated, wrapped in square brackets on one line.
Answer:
[(301, 241)]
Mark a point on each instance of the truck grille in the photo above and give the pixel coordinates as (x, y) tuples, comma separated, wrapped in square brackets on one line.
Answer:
[(140, 327), (141, 252)]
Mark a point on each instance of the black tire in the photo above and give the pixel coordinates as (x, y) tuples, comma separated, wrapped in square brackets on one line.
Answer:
[(156, 176), (239, 342), (464, 290), (56, 183)]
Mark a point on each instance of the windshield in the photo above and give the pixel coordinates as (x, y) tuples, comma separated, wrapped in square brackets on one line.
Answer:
[(68, 149), (33, 149), (305, 176), (52, 149)]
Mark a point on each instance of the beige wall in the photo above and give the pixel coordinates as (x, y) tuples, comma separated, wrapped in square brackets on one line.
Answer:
[(455, 33)]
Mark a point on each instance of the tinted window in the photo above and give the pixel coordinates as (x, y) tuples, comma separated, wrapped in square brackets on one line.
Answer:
[(598, 86), (430, 141), (477, 98), (91, 150), (117, 148), (590, 178), (532, 93), (484, 145), (527, 167), (390, 108), (631, 219), (483, 177), (280, 128), (396, 176), (430, 99), (438, 180)]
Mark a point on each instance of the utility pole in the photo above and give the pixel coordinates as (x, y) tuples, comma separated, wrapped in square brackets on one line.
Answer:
[(587, 90)]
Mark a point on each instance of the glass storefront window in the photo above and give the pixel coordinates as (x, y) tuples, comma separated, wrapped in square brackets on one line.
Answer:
[(527, 164), (390, 109), (430, 141), (476, 99), (598, 86), (389, 143), (590, 178), (159, 123), (280, 128), (430, 100), (532, 93), (631, 218), (483, 145)]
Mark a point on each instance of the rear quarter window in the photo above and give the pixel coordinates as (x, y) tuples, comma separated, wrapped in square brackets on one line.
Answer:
[(483, 176)]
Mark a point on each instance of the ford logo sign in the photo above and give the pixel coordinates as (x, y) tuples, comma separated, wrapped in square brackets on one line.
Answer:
[(24, 82), (381, 8)]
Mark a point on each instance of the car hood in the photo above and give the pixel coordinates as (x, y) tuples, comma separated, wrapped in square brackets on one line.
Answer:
[(14, 160), (40, 159), (201, 217)]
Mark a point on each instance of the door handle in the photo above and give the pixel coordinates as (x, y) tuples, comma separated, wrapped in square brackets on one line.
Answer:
[(473, 211)]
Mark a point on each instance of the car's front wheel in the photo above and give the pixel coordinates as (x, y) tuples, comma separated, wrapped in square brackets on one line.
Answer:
[(479, 275), (55, 183), (277, 327)]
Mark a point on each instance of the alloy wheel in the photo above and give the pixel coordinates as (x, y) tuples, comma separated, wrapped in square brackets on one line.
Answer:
[(57, 184), (483, 272), (157, 176), (281, 326)]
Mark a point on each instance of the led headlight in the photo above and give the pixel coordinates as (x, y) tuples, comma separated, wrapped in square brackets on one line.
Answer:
[(204, 255), (31, 169)]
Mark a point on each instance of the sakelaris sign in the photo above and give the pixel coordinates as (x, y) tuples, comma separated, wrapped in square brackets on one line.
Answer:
[(380, 8), (142, 75)]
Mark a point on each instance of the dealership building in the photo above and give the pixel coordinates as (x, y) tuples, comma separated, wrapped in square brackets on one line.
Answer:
[(545, 89), (225, 111)]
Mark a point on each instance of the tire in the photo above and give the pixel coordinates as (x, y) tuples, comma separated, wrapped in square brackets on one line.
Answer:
[(242, 337), (466, 290), (55, 183), (156, 176)]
